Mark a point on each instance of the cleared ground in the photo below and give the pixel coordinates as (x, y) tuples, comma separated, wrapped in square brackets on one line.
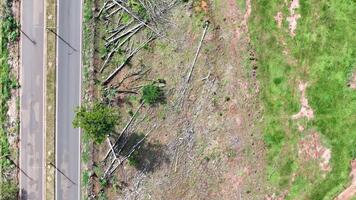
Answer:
[(268, 107)]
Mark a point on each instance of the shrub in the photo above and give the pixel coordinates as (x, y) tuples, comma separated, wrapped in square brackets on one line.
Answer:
[(152, 94)]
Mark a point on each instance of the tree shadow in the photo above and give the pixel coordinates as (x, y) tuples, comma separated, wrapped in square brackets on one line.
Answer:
[(148, 156), (23, 195)]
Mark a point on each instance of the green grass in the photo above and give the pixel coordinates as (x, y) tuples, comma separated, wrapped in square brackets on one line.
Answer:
[(8, 33), (323, 53), (85, 178)]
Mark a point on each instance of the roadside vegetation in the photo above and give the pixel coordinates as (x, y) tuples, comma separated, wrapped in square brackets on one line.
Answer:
[(97, 121), (87, 53), (8, 33), (323, 54), (9, 191), (109, 47)]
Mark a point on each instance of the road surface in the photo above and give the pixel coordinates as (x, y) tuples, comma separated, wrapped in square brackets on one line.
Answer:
[(31, 101), (68, 98)]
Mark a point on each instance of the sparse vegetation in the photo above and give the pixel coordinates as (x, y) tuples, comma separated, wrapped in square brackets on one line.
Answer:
[(8, 33), (97, 121), (8, 191), (138, 8)]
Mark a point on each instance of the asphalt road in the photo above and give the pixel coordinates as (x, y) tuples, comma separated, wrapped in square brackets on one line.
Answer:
[(31, 101), (68, 98)]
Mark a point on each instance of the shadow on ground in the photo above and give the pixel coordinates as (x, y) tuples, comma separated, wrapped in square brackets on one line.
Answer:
[(148, 157)]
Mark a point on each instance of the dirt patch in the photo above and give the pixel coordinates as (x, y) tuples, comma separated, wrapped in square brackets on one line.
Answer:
[(349, 192), (279, 18), (202, 6), (293, 18), (352, 83), (301, 128), (234, 181), (275, 197), (246, 15), (233, 14), (306, 110), (13, 106), (311, 148)]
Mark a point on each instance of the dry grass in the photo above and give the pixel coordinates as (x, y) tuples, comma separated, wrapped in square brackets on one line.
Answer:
[(209, 148), (50, 98)]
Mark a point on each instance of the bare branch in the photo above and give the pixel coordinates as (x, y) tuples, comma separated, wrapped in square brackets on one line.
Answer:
[(123, 130), (197, 52), (108, 79), (137, 18)]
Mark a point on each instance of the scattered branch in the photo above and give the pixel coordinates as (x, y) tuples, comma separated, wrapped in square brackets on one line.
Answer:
[(123, 130), (197, 52), (111, 76)]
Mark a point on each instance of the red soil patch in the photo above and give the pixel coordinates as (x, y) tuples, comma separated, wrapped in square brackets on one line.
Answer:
[(306, 110), (349, 192), (234, 114), (293, 18), (234, 181), (233, 14), (310, 148), (203, 6)]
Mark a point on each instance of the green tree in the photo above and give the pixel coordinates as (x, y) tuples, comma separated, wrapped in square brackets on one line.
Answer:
[(8, 191), (97, 121), (152, 94)]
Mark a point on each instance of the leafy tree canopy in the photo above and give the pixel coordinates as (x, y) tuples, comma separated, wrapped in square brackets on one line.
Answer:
[(97, 121)]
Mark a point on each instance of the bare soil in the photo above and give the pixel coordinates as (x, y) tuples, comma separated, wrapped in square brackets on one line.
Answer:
[(306, 110), (293, 18), (352, 83), (311, 147), (208, 147), (350, 191)]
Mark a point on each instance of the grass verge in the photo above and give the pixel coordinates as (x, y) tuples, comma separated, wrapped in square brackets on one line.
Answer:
[(323, 53), (50, 98), (87, 51), (8, 33)]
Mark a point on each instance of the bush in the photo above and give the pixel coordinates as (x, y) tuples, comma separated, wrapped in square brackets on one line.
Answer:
[(152, 94), (97, 122)]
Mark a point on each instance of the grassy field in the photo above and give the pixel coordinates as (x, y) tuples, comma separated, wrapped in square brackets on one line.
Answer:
[(323, 53)]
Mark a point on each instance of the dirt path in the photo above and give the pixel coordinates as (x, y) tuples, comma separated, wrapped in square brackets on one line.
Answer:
[(349, 192), (306, 110)]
